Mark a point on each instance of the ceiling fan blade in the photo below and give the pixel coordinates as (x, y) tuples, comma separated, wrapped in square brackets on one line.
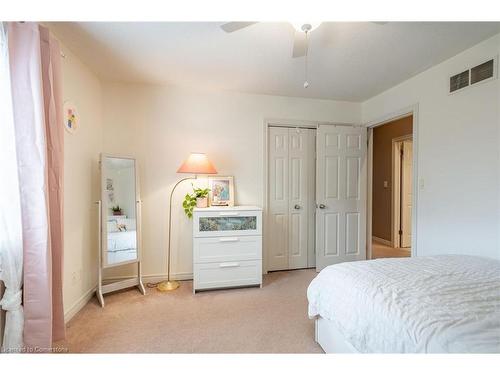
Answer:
[(235, 26), (299, 44)]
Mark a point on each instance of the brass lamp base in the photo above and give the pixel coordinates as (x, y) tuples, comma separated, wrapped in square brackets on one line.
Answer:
[(167, 286)]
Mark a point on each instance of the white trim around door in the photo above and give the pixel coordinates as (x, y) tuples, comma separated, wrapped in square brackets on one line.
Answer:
[(389, 117)]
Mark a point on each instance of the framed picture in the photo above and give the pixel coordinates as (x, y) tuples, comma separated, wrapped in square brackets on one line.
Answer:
[(110, 190), (221, 190)]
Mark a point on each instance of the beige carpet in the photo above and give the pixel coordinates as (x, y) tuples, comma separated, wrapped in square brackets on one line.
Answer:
[(251, 320)]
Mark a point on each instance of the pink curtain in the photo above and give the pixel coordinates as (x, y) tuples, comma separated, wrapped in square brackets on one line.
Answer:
[(52, 97), (36, 95)]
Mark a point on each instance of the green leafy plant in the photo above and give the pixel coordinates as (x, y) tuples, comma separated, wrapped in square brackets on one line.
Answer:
[(116, 209), (190, 200)]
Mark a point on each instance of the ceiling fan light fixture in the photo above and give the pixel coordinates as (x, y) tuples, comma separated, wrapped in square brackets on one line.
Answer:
[(305, 27)]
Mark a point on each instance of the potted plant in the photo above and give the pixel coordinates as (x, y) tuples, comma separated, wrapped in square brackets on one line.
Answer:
[(117, 210), (198, 198)]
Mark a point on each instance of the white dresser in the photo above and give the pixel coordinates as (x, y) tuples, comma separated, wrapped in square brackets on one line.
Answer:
[(227, 247)]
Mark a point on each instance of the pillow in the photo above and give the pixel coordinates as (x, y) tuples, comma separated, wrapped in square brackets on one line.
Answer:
[(112, 226), (129, 223)]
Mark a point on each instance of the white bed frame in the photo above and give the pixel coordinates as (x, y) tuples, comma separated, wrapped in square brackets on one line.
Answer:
[(330, 338)]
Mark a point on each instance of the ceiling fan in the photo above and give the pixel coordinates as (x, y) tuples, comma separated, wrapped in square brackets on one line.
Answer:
[(300, 41), (300, 38)]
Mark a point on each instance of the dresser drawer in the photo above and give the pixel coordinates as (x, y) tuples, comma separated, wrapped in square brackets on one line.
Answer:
[(227, 274), (227, 222), (231, 248)]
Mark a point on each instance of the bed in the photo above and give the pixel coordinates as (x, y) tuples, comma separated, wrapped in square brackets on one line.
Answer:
[(440, 304), (122, 243)]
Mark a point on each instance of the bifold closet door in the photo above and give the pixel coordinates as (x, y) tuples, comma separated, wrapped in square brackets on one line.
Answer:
[(291, 198), (277, 218), (300, 142), (341, 194)]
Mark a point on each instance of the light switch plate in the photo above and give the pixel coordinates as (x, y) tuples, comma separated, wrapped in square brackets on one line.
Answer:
[(421, 183)]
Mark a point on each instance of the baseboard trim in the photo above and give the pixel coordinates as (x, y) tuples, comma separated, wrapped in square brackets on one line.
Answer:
[(181, 276), (382, 241), (79, 304)]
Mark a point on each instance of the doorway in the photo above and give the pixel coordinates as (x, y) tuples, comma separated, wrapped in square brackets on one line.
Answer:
[(392, 188)]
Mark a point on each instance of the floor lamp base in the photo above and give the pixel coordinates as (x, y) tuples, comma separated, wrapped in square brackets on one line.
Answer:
[(167, 286)]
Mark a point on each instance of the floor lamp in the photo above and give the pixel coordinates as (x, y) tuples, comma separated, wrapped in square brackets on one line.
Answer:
[(195, 164)]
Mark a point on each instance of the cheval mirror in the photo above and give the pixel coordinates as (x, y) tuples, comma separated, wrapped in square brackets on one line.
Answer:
[(119, 222)]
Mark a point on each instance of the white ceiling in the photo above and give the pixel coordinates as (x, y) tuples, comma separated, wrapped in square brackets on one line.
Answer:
[(347, 61)]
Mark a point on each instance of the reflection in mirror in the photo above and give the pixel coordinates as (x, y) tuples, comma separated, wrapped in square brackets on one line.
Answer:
[(119, 198)]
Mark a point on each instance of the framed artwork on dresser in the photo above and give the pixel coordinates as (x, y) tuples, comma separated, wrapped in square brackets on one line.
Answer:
[(221, 190)]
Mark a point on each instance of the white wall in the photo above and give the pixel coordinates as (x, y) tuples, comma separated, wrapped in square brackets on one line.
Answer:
[(458, 155), (81, 183), (161, 125)]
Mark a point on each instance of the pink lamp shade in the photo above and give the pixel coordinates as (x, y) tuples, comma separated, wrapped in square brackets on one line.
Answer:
[(197, 164)]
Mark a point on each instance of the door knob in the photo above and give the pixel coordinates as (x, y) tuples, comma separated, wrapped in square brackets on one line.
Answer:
[(297, 207), (322, 206)]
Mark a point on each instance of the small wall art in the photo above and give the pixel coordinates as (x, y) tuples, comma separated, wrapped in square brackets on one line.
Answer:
[(71, 118)]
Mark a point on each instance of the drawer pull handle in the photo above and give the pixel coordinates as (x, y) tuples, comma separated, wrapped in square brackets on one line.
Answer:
[(229, 214), (230, 264), (229, 239)]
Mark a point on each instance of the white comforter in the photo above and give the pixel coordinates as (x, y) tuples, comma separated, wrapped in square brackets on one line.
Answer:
[(118, 241), (448, 303)]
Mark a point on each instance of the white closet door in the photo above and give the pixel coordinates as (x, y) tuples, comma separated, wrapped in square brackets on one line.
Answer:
[(406, 193), (277, 218), (311, 220), (290, 233), (299, 202), (341, 179)]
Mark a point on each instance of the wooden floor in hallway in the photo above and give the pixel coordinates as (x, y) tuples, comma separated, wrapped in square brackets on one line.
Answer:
[(380, 250)]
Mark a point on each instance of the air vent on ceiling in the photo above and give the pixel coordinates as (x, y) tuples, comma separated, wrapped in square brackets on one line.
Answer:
[(459, 81), (481, 72)]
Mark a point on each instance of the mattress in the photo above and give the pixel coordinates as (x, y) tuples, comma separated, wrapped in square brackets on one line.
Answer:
[(440, 304)]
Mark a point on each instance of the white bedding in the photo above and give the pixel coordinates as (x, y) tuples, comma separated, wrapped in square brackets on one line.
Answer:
[(118, 241), (122, 246), (440, 304)]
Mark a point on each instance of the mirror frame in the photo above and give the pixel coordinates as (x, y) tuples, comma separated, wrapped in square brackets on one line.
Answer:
[(104, 213)]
